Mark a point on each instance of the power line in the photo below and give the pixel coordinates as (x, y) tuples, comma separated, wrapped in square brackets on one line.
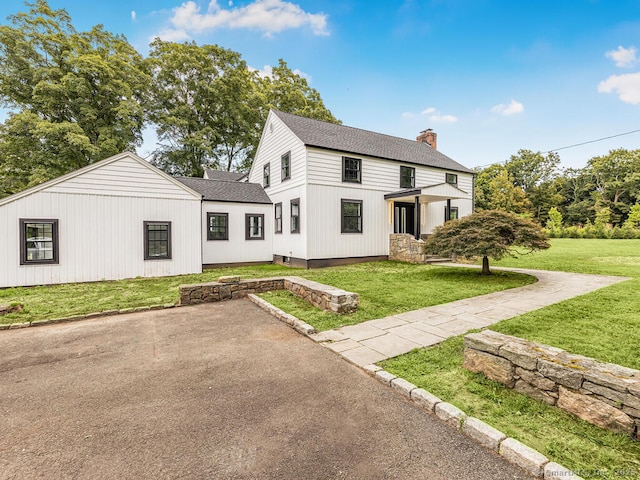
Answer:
[(592, 141)]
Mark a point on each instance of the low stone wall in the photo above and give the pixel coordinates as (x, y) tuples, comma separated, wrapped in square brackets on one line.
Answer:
[(405, 248), (322, 296), (603, 394)]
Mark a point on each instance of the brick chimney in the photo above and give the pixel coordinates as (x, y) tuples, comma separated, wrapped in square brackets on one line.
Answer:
[(428, 136)]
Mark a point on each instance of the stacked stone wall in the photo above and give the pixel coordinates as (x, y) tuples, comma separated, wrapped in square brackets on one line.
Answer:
[(322, 296), (603, 394), (405, 248)]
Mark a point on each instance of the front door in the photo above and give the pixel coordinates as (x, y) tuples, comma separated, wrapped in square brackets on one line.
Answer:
[(403, 217)]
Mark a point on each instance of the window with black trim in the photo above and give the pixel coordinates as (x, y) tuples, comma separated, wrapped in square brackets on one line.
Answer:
[(285, 165), (254, 226), (295, 215), (451, 178), (157, 240), (278, 217), (407, 177), (38, 241), (351, 212), (218, 226), (351, 169), (266, 175), (453, 213)]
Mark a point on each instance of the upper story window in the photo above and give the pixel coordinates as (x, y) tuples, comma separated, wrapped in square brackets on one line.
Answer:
[(278, 217), (295, 215), (285, 165), (218, 226), (407, 177), (254, 226), (266, 175), (351, 169), (38, 241), (451, 178), (157, 240)]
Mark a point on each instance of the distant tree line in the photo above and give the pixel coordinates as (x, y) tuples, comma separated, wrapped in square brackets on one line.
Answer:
[(75, 98), (595, 201)]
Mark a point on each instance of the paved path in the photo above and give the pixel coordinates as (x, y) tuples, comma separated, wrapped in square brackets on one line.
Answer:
[(376, 340)]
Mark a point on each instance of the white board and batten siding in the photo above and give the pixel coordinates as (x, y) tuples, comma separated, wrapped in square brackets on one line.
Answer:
[(101, 212), (237, 249)]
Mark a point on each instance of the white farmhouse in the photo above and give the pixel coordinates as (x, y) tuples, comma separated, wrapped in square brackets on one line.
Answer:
[(339, 192), (317, 194)]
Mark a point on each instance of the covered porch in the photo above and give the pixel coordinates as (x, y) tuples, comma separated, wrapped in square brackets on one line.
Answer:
[(408, 209)]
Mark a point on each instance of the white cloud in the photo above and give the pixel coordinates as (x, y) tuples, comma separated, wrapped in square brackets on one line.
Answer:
[(435, 116), (267, 71), (268, 16), (513, 108), (171, 35), (626, 86), (133, 15), (624, 57)]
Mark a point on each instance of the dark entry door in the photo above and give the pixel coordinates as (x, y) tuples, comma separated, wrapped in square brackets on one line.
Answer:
[(403, 217)]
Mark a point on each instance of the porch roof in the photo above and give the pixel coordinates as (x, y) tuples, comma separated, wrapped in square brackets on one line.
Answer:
[(432, 193)]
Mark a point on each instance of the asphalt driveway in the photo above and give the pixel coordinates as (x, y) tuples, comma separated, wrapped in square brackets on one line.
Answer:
[(212, 391)]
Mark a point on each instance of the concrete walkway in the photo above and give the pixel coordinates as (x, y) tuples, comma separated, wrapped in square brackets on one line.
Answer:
[(376, 340)]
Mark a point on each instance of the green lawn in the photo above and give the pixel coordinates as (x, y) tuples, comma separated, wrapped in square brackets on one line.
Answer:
[(604, 324), (385, 288)]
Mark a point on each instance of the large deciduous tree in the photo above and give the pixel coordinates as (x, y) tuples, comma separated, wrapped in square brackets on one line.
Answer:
[(73, 97), (486, 234)]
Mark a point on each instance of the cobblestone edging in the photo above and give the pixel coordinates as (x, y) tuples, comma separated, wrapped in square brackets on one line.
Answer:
[(512, 450), (74, 318), (603, 394), (322, 296)]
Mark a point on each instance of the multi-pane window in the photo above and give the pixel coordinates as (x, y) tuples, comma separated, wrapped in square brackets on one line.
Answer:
[(295, 215), (218, 226), (285, 164), (254, 226), (157, 240), (453, 213), (351, 216), (38, 241), (407, 177), (278, 217), (451, 178), (351, 169), (266, 175)]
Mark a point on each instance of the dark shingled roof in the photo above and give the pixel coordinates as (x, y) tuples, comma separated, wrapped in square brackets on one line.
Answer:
[(226, 191), (315, 133), (223, 175)]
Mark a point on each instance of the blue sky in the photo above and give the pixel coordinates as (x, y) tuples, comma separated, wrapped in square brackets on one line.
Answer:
[(490, 77)]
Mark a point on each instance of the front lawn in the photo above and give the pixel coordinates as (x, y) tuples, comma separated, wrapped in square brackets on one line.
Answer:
[(385, 288), (604, 324)]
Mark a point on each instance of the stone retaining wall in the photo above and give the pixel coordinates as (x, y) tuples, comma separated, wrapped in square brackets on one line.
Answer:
[(405, 248), (603, 394), (322, 296)]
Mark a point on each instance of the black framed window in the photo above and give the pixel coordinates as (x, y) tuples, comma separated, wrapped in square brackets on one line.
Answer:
[(157, 240), (217, 226), (285, 165), (38, 241), (451, 178), (278, 217), (453, 214), (266, 175), (351, 212), (407, 177), (254, 226), (295, 215), (351, 169)]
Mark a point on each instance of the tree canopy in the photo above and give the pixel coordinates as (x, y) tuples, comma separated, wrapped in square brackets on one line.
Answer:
[(487, 234), (73, 97)]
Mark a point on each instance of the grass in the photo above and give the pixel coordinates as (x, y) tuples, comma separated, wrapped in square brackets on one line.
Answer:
[(385, 288), (604, 324)]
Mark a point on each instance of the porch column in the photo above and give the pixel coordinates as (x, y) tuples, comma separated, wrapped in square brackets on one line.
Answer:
[(416, 218), (447, 211)]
